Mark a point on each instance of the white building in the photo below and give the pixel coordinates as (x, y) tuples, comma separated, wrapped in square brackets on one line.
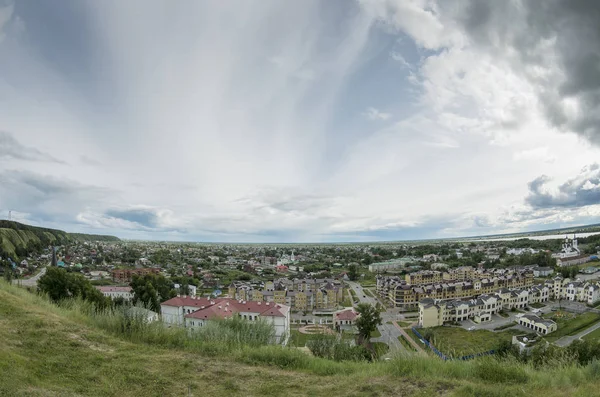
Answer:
[(116, 292), (191, 288), (540, 325), (195, 312), (542, 271)]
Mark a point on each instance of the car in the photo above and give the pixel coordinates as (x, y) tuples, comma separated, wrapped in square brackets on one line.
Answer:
[(364, 296)]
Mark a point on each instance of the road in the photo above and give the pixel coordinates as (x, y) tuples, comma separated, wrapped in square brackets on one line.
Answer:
[(389, 332), (30, 282), (361, 294)]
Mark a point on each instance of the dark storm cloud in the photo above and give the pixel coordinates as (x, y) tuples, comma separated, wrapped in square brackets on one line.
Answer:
[(147, 217), (580, 191), (11, 148), (540, 33), (46, 196)]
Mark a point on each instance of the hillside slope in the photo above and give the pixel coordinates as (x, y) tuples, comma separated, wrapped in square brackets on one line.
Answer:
[(16, 237), (49, 351)]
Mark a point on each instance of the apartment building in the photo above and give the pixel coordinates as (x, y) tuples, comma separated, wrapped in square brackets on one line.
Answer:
[(195, 312), (424, 277), (434, 313), (399, 293), (299, 294), (126, 275)]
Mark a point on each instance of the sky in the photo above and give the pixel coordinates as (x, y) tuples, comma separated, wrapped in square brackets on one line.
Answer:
[(300, 121)]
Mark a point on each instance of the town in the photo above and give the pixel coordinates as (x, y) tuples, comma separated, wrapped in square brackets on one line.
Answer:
[(497, 290)]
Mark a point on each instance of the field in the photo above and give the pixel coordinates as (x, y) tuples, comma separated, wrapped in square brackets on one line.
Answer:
[(50, 351), (569, 324), (457, 342), (593, 335), (299, 339)]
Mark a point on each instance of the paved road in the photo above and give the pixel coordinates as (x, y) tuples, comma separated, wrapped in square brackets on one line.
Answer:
[(567, 340), (361, 294), (30, 282)]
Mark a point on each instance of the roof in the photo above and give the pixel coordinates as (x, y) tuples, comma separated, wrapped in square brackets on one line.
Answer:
[(113, 289), (226, 307), (196, 301), (348, 314)]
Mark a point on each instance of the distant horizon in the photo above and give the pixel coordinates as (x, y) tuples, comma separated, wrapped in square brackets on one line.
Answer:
[(540, 232)]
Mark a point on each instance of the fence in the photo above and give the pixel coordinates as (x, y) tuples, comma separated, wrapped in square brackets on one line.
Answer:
[(445, 357)]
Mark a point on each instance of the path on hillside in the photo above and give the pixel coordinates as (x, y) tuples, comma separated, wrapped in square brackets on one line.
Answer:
[(409, 339), (567, 340)]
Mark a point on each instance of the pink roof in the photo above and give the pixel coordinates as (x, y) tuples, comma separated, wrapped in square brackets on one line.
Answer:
[(225, 308), (197, 301), (113, 289), (346, 315)]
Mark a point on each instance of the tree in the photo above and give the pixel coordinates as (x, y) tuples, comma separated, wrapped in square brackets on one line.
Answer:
[(151, 290), (353, 272), (368, 320), (60, 285)]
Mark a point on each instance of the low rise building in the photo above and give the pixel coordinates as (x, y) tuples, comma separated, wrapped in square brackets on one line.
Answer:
[(540, 325), (126, 275), (345, 319), (543, 271), (195, 312), (299, 294), (116, 292)]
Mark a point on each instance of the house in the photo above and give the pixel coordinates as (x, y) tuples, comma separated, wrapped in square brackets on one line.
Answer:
[(191, 289), (116, 292), (345, 319), (126, 275), (540, 325), (195, 312), (542, 271), (573, 260)]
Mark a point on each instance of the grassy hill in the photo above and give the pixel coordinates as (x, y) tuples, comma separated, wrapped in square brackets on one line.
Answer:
[(50, 351), (15, 236)]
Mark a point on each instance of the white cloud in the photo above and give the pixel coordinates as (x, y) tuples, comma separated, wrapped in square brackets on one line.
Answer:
[(205, 131), (375, 114)]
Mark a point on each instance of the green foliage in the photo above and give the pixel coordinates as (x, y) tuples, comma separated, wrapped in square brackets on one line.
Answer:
[(59, 285), (17, 240), (337, 349), (368, 320), (151, 290), (353, 272)]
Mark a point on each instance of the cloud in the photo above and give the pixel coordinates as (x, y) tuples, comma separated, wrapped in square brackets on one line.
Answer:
[(248, 122), (554, 44), (375, 114), (10, 148), (46, 197), (583, 190)]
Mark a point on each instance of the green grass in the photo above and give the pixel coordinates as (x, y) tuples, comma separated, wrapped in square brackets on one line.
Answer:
[(47, 350), (571, 325), (407, 344), (369, 293), (298, 339), (457, 342), (537, 305), (505, 326), (404, 324), (375, 334), (354, 298), (593, 335)]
